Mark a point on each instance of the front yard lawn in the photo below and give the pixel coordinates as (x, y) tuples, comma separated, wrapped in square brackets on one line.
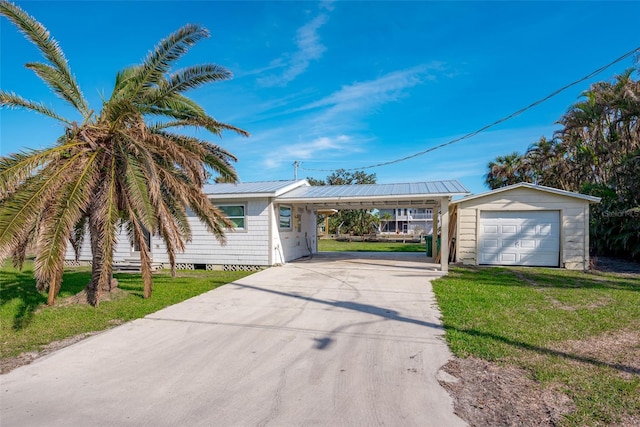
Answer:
[(330, 245), (26, 324), (571, 331)]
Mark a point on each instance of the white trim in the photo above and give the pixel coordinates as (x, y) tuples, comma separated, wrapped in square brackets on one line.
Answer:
[(590, 199)]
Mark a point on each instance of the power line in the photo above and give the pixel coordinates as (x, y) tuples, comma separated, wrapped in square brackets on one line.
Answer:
[(497, 122)]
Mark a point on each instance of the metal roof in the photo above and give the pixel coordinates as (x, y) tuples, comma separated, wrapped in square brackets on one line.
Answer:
[(377, 191), (255, 189), (590, 199)]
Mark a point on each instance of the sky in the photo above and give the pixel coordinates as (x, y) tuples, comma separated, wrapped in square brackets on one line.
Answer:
[(341, 84)]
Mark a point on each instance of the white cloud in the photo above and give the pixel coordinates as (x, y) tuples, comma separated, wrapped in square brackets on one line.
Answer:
[(370, 94), (308, 150), (309, 49), (320, 147)]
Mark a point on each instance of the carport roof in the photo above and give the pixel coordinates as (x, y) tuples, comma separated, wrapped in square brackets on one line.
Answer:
[(363, 193)]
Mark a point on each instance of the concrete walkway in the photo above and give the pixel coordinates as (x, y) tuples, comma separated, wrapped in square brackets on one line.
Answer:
[(338, 340)]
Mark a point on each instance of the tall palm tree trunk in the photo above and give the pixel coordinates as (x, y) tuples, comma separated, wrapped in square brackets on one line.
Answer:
[(93, 288)]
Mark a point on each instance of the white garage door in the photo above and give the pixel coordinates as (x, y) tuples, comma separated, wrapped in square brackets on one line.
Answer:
[(520, 238)]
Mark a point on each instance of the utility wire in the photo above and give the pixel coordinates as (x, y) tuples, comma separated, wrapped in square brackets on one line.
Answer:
[(497, 122)]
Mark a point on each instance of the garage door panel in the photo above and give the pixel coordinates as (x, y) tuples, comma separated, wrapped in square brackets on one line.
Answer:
[(490, 229), (490, 243), (520, 238), (509, 229), (546, 230), (508, 257), (540, 259), (528, 243)]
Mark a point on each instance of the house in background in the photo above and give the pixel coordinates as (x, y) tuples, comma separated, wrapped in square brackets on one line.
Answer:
[(414, 221)]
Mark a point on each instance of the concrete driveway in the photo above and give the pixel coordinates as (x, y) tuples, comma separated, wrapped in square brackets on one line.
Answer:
[(335, 341)]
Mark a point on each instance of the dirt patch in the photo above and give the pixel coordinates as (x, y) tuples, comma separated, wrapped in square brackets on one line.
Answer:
[(488, 394), (619, 350), (8, 364), (616, 265)]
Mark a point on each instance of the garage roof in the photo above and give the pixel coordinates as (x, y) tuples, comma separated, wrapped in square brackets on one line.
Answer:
[(590, 199)]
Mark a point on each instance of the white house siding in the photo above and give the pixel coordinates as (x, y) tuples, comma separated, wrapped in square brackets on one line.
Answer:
[(243, 247), (121, 251), (574, 219)]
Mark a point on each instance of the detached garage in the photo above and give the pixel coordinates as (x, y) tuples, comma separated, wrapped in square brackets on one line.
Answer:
[(524, 224)]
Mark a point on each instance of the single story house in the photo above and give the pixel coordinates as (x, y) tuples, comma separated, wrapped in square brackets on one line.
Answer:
[(275, 222), (524, 224)]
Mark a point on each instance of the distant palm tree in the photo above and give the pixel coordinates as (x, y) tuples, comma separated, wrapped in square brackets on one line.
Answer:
[(508, 170), (115, 168), (386, 217)]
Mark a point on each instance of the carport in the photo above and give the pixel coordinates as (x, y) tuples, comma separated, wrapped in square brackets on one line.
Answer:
[(435, 195)]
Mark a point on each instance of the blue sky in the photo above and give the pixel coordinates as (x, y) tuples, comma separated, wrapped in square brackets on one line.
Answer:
[(342, 84)]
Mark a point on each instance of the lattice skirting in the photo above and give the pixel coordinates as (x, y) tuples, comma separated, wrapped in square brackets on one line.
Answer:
[(235, 267), (221, 267), (74, 263)]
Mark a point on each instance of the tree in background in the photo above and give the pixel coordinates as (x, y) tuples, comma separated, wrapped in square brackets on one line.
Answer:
[(120, 167), (508, 170), (347, 221), (597, 152)]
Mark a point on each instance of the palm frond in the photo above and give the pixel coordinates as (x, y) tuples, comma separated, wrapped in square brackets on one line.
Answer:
[(220, 160), (66, 213), (137, 192), (11, 100), (20, 250), (78, 235), (57, 82), (16, 168), (187, 79), (137, 235), (158, 62), (175, 106), (50, 49), (212, 217), (21, 208), (187, 159), (205, 122)]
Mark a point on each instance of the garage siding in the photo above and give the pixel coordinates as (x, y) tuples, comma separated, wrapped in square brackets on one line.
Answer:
[(574, 219)]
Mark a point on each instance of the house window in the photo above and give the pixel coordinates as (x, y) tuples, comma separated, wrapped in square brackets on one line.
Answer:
[(285, 217), (235, 213)]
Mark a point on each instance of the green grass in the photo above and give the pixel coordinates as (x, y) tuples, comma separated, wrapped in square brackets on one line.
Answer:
[(529, 316), (26, 324), (330, 245)]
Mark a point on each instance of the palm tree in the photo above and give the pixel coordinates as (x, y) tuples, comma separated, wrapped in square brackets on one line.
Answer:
[(113, 168), (507, 170), (386, 217)]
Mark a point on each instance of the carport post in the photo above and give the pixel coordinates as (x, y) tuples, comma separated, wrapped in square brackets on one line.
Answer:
[(444, 235)]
